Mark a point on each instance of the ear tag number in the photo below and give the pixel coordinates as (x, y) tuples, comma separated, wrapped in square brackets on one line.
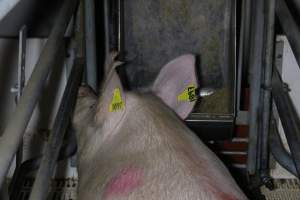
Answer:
[(189, 94), (117, 103)]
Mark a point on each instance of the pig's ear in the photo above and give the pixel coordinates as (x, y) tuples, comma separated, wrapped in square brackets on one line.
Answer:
[(112, 102), (177, 84)]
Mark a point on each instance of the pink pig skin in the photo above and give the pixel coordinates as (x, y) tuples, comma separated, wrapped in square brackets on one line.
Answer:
[(148, 154)]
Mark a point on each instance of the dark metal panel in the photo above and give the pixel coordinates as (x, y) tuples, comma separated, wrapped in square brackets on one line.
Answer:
[(158, 31), (212, 127)]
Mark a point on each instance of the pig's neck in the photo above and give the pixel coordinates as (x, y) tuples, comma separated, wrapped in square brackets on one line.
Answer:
[(146, 118)]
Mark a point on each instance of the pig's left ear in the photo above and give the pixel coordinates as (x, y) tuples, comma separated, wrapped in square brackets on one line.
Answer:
[(112, 102), (177, 84)]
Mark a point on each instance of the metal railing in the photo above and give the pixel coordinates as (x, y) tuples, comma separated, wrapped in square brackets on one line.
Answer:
[(16, 126), (286, 110), (264, 81), (52, 148)]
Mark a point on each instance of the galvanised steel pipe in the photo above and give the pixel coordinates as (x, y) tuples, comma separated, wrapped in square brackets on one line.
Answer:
[(290, 27), (17, 124), (256, 61), (268, 62), (6, 6)]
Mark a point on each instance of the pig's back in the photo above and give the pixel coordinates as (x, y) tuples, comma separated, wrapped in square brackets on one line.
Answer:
[(153, 155)]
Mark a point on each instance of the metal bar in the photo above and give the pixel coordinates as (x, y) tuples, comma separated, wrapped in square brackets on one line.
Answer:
[(278, 151), (106, 30), (121, 29), (21, 60), (268, 61), (247, 39), (243, 59), (16, 126), (21, 80), (290, 27), (52, 148), (68, 150), (255, 82), (288, 116), (240, 58), (6, 6), (90, 44)]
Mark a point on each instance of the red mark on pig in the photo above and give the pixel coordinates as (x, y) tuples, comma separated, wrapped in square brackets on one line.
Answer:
[(225, 196), (123, 183)]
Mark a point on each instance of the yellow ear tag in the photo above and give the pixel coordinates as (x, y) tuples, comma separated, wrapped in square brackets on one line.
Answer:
[(117, 103), (189, 94)]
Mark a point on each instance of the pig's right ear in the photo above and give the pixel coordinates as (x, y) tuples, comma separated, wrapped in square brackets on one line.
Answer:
[(112, 103), (177, 83)]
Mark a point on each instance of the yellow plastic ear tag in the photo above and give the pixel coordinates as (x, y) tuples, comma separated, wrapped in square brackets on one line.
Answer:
[(117, 103), (189, 94)]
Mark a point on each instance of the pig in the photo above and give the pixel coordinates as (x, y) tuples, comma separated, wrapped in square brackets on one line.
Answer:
[(134, 145)]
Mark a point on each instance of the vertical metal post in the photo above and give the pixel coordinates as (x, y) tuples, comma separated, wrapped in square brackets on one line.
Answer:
[(21, 79), (256, 60), (243, 60), (241, 54), (90, 44), (269, 56), (21, 60), (120, 29), (106, 29)]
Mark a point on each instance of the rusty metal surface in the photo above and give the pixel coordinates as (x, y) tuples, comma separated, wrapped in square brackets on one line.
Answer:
[(157, 31)]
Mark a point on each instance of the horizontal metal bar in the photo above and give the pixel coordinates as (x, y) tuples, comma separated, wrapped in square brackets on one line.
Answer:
[(51, 151), (17, 124)]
